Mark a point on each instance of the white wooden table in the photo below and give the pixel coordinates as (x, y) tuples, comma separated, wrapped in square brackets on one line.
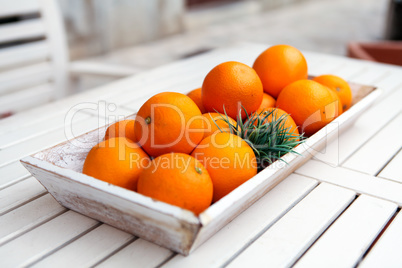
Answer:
[(340, 209)]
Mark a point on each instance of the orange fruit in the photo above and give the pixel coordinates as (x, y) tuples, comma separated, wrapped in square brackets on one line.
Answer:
[(289, 123), (177, 179), (230, 161), (229, 86), (214, 119), (117, 161), (310, 104), (124, 128), (338, 100), (339, 86), (267, 102), (169, 122), (195, 95), (279, 66)]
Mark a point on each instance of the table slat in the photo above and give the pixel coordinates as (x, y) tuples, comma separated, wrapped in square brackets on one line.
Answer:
[(28, 216), (246, 227), (316, 69), (324, 66), (329, 65), (20, 193), (12, 173), (387, 251), (391, 83), (393, 170), (348, 70), (140, 253), (110, 111), (36, 244), (179, 85), (39, 143), (174, 82), (40, 128), (372, 75), (313, 61), (365, 127), (73, 104), (348, 238), (354, 180), (89, 249), (136, 103), (287, 239), (377, 152)]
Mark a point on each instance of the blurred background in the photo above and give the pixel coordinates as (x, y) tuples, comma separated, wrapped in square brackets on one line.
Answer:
[(99, 27), (135, 35)]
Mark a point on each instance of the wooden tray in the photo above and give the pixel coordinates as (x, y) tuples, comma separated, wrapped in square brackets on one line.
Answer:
[(59, 168)]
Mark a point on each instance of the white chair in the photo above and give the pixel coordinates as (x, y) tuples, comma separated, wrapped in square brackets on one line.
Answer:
[(34, 58)]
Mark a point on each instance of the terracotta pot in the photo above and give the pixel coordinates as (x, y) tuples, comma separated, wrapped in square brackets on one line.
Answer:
[(385, 52)]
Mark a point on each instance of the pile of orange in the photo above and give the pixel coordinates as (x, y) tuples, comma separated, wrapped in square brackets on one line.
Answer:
[(183, 149)]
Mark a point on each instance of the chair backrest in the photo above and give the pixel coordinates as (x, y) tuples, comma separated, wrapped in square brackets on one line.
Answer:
[(33, 54)]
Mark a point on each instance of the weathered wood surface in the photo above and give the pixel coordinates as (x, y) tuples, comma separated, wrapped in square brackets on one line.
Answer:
[(283, 243), (347, 239), (155, 221), (392, 170), (385, 252), (54, 234)]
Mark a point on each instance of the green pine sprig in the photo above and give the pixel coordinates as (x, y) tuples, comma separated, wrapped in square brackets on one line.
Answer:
[(269, 140)]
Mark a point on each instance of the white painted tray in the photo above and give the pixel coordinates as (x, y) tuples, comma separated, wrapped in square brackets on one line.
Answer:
[(59, 170)]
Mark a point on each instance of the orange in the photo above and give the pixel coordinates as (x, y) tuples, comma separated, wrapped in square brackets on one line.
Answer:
[(117, 161), (310, 104), (279, 66), (214, 119), (267, 102), (229, 86), (289, 123), (195, 95), (169, 122), (177, 179), (339, 86), (230, 161), (124, 128), (340, 106)]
